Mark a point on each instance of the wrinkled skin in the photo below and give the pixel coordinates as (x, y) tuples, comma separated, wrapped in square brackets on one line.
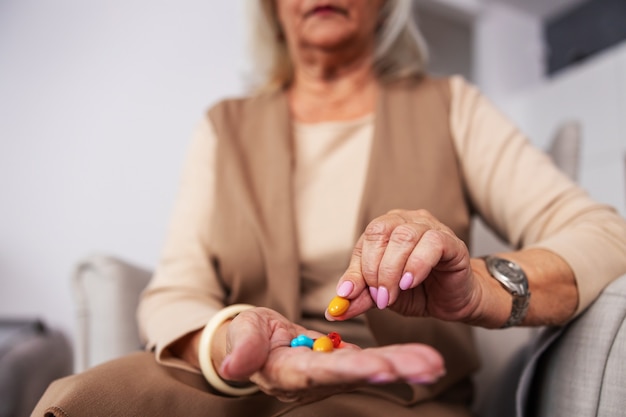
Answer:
[(441, 285)]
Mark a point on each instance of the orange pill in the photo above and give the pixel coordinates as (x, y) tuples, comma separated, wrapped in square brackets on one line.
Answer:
[(323, 344), (338, 306)]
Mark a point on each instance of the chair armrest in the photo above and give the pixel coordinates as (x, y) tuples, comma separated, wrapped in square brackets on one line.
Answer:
[(31, 357), (583, 372), (106, 292)]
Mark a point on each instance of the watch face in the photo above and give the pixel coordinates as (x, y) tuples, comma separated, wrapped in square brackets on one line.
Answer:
[(514, 280), (510, 270)]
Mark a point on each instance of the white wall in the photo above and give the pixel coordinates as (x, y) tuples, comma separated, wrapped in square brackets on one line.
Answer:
[(508, 51), (496, 45), (509, 62), (593, 93), (508, 66), (97, 104)]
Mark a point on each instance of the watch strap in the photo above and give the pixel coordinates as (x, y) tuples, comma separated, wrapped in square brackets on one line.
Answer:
[(519, 308)]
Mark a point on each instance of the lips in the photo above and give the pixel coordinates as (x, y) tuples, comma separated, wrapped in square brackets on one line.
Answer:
[(326, 9)]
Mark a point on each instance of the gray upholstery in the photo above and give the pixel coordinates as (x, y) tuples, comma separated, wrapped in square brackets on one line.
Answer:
[(29, 362), (583, 373)]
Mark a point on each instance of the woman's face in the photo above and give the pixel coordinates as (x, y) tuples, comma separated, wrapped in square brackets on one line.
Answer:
[(328, 24)]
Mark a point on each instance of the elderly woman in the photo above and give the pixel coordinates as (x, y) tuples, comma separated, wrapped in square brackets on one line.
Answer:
[(350, 173)]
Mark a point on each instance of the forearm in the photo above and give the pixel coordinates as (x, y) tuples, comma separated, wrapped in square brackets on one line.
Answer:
[(554, 294)]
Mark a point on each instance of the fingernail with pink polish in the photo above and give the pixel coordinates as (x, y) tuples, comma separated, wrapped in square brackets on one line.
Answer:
[(374, 293), (406, 281), (382, 301), (345, 289)]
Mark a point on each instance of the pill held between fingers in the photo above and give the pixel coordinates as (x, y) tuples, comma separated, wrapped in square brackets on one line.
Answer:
[(323, 344), (338, 306)]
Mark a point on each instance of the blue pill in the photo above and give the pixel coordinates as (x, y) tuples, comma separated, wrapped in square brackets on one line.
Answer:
[(302, 340)]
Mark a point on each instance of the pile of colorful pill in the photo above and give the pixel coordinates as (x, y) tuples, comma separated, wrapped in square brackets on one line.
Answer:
[(322, 344)]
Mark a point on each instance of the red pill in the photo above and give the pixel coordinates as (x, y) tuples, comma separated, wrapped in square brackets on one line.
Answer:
[(335, 338)]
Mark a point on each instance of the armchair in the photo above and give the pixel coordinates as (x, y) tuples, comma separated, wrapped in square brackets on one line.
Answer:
[(576, 370)]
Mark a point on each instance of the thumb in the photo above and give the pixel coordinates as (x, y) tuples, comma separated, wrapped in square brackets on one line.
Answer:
[(248, 346), (352, 286), (352, 282)]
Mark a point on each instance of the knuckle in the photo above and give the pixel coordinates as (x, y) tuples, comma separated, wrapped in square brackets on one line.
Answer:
[(434, 237), (369, 269), (404, 234), (387, 271), (423, 213), (357, 252), (353, 275), (377, 231)]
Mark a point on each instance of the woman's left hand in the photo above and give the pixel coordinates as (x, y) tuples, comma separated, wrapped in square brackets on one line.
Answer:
[(412, 263), (258, 350)]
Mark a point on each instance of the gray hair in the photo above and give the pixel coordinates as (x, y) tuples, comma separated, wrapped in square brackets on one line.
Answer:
[(400, 48)]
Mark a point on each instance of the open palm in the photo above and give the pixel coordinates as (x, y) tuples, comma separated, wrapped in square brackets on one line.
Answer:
[(259, 350)]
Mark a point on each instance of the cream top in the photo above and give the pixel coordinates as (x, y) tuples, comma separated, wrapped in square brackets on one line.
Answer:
[(328, 196), (327, 200)]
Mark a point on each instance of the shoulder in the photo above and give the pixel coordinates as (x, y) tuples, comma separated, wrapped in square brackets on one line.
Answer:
[(462, 90), (452, 87)]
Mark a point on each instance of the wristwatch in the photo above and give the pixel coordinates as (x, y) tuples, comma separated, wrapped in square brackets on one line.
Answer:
[(512, 277)]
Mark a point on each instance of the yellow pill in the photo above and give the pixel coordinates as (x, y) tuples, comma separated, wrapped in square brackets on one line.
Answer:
[(338, 306), (323, 344)]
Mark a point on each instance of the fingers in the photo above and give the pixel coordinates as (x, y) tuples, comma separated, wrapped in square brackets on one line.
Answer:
[(396, 252), (305, 370), (353, 287), (376, 239), (399, 251), (401, 265), (358, 305), (418, 364), (431, 249), (411, 362), (378, 256)]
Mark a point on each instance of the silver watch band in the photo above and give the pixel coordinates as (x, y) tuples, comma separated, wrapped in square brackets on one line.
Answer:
[(519, 308)]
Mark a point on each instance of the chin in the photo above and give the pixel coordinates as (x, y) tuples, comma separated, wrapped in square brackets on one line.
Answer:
[(330, 38)]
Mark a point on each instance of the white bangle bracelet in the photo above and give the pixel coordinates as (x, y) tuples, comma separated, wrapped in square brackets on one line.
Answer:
[(204, 353)]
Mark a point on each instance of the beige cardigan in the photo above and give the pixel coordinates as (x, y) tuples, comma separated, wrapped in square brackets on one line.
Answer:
[(487, 167)]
